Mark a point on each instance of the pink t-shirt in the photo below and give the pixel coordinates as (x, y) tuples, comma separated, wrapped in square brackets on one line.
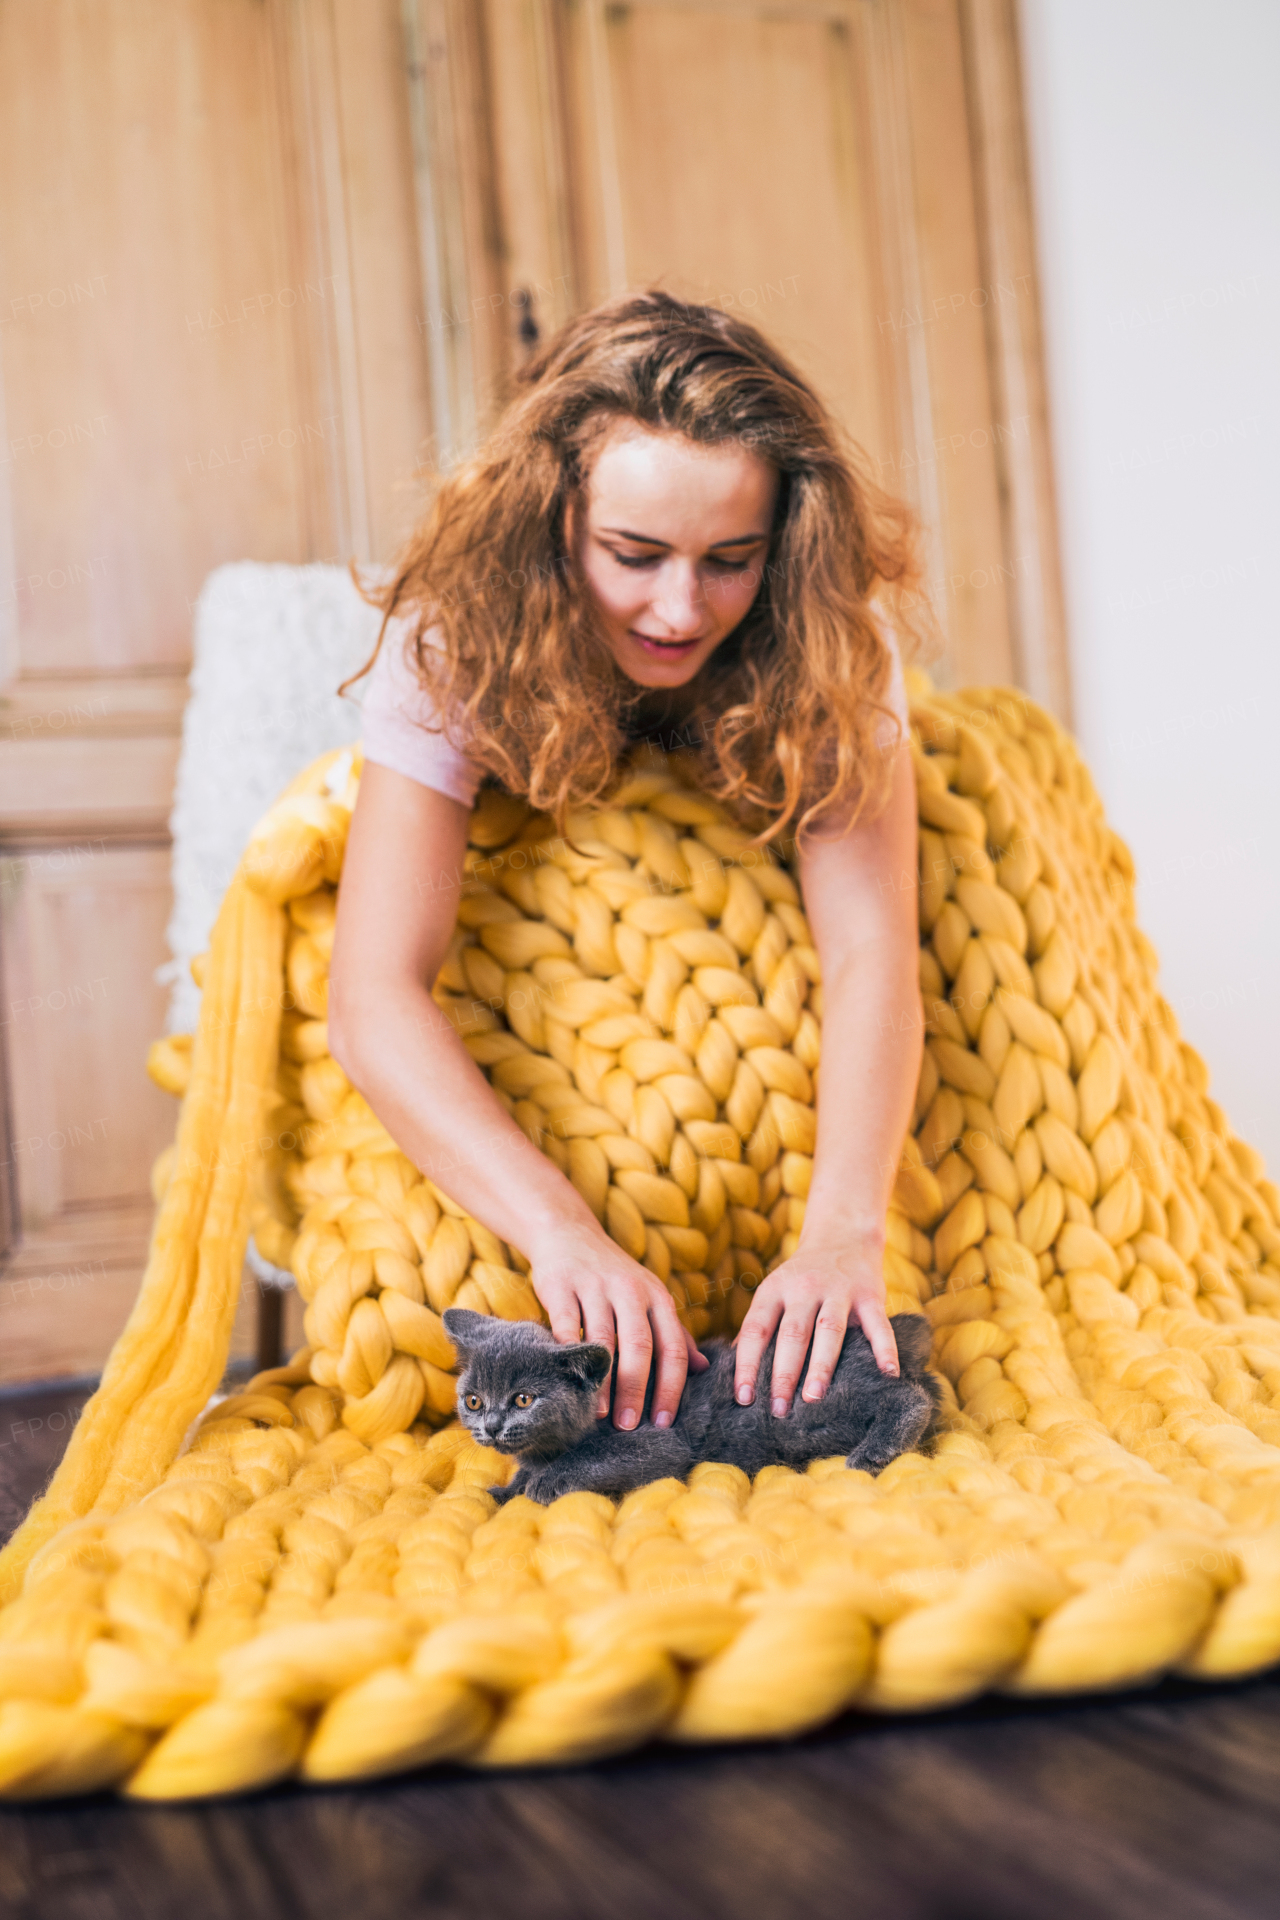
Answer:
[(399, 714), (397, 717)]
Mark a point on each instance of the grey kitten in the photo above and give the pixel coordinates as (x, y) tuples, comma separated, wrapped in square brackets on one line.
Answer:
[(524, 1393)]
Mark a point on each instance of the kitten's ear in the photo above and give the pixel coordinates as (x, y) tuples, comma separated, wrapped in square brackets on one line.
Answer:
[(589, 1361), (467, 1330), (914, 1336)]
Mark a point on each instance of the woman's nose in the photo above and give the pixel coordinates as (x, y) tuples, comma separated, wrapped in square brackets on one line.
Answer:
[(680, 605)]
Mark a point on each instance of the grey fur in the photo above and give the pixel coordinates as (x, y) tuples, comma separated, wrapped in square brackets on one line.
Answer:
[(562, 1447)]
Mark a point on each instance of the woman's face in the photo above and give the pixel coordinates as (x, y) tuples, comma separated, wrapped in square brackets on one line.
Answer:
[(673, 545)]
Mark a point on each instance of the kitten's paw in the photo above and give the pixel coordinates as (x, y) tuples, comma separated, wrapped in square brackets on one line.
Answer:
[(544, 1488), (502, 1494), (874, 1460), (867, 1462)]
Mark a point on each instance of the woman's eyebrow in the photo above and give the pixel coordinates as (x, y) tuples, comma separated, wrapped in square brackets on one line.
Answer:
[(647, 539)]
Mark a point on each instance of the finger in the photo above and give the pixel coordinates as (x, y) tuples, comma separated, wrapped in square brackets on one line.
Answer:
[(565, 1314), (875, 1324), (635, 1350), (788, 1355), (672, 1359), (754, 1336), (828, 1337), (698, 1361), (598, 1325)]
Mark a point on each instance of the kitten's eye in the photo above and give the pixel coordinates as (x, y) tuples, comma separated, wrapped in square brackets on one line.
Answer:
[(524, 1399), (473, 1403)]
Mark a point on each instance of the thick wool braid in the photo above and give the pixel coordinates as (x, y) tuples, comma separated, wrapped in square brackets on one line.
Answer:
[(665, 1065), (315, 1589), (172, 1352)]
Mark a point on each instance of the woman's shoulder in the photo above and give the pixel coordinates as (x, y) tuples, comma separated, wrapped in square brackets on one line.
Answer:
[(897, 689), (401, 722)]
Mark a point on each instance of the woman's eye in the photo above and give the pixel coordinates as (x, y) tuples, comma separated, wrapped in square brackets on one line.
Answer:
[(713, 560), (524, 1399)]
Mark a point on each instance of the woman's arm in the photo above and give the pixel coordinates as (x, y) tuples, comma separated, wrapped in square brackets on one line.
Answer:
[(860, 898), (397, 906)]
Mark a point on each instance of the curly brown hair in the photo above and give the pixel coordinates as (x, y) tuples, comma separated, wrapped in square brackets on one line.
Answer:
[(794, 696)]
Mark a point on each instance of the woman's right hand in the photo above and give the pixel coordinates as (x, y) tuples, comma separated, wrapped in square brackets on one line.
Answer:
[(397, 907), (585, 1280)]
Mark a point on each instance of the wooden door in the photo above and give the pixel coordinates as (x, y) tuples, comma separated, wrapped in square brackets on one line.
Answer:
[(268, 264), (210, 349), (848, 174)]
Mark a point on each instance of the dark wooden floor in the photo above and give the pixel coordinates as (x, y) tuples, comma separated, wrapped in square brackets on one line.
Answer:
[(1156, 1807)]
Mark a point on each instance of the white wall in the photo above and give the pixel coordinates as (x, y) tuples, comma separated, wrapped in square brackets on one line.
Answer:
[(1156, 172)]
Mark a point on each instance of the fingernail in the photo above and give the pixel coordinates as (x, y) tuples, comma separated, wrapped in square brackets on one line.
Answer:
[(779, 1409), (745, 1396), (893, 1371), (813, 1393), (662, 1419), (627, 1418)]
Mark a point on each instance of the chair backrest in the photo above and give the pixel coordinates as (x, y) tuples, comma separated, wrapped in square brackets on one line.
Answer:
[(271, 645)]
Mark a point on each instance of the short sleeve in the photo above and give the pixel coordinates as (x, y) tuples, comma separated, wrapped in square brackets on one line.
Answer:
[(398, 715)]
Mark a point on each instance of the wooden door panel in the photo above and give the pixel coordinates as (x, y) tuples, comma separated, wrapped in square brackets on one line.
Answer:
[(538, 277), (744, 183), (955, 476), (79, 1013), (389, 347), (135, 135), (211, 352), (810, 164)]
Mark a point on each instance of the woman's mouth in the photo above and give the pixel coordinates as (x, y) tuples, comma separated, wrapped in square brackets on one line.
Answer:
[(664, 649)]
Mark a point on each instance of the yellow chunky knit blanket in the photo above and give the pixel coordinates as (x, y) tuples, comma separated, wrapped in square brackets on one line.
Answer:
[(313, 1580)]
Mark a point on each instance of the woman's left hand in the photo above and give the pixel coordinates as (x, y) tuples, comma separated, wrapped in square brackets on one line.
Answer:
[(814, 1295)]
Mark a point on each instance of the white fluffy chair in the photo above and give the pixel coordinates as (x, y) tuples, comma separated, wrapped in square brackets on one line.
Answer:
[(272, 644)]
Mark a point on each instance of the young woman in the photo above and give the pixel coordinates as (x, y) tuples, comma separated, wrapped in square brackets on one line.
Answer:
[(666, 535)]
